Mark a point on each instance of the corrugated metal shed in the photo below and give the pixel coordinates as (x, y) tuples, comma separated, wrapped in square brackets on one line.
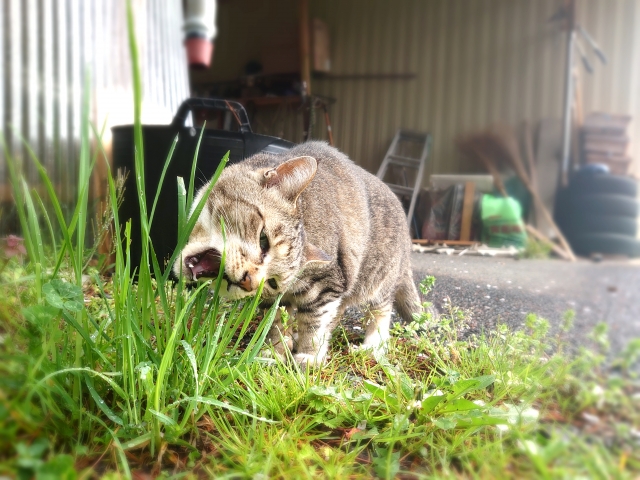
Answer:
[(48, 49), (475, 63)]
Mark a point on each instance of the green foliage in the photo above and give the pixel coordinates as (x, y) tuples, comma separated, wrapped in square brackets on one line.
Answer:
[(535, 249), (424, 321)]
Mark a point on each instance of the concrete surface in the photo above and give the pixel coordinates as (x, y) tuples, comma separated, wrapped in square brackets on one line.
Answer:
[(506, 290)]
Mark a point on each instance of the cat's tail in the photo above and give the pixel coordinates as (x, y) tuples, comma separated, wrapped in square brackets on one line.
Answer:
[(407, 301)]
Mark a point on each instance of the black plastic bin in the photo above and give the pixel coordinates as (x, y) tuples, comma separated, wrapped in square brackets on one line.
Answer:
[(157, 143)]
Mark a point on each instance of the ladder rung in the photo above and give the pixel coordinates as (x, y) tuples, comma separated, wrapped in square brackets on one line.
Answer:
[(404, 161), (400, 190)]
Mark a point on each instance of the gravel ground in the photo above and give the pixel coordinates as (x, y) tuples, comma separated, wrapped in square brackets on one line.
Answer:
[(506, 290)]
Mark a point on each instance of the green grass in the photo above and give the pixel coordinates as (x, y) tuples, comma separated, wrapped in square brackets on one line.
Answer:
[(507, 404), (114, 376)]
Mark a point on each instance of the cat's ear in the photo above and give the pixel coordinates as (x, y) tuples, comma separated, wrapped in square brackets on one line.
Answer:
[(291, 177), (315, 254)]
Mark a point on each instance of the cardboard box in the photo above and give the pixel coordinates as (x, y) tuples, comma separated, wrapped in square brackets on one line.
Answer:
[(605, 123), (612, 145)]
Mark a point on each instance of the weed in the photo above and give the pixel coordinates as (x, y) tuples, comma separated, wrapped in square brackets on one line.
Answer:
[(535, 249)]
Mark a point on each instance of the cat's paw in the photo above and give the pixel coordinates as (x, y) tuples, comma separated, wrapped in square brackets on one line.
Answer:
[(307, 359)]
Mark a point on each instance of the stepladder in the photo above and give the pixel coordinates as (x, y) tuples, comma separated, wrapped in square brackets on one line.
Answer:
[(403, 167)]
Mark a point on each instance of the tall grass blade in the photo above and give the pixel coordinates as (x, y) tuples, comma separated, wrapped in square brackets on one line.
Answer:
[(194, 164), (182, 204), (83, 182), (36, 235), (45, 216), (17, 186), (161, 181), (57, 208), (102, 405)]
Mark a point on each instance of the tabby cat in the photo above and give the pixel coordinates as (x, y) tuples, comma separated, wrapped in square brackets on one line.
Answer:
[(318, 229)]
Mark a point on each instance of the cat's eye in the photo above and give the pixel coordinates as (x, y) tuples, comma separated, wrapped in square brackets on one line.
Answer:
[(264, 242)]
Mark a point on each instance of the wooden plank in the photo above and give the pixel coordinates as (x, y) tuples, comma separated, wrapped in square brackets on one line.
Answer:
[(549, 146), (305, 46), (442, 242), (467, 211), (270, 101)]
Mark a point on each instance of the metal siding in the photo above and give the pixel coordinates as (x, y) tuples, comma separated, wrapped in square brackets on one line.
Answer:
[(48, 49), (45, 152), (635, 87), (3, 62), (476, 63), (14, 96)]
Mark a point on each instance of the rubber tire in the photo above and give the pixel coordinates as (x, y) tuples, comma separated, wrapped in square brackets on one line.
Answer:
[(605, 243), (580, 223), (589, 184), (569, 205)]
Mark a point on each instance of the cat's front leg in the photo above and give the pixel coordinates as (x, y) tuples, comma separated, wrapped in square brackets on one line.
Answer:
[(377, 329), (314, 332)]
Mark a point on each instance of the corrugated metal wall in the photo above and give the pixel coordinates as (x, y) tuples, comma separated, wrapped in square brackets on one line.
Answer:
[(476, 62), (48, 48)]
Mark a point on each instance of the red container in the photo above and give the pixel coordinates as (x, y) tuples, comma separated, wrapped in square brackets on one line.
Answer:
[(199, 52)]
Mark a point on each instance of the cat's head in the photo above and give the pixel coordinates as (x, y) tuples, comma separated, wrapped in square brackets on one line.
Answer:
[(265, 238)]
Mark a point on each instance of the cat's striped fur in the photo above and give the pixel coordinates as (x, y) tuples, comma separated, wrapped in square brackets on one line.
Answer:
[(316, 227)]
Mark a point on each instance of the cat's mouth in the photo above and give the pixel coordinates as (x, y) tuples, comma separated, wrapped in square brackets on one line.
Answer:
[(205, 264)]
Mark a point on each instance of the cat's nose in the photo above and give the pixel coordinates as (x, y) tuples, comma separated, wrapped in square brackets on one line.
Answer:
[(245, 283)]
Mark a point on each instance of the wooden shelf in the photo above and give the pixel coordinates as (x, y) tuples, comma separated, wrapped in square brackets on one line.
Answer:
[(270, 101)]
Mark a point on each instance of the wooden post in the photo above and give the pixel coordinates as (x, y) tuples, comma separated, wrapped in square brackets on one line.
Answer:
[(305, 46), (570, 16), (467, 211)]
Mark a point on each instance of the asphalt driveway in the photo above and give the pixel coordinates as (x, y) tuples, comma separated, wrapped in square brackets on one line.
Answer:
[(506, 290)]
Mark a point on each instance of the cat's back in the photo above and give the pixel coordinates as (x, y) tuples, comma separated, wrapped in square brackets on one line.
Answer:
[(338, 173), (341, 192)]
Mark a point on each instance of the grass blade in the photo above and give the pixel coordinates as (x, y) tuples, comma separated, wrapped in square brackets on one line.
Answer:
[(102, 405), (161, 181), (47, 220), (17, 186), (194, 164)]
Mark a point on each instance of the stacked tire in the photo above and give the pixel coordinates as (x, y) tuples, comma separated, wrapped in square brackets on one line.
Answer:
[(599, 213)]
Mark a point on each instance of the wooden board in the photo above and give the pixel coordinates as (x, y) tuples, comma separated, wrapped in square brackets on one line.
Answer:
[(443, 242), (467, 211), (549, 146)]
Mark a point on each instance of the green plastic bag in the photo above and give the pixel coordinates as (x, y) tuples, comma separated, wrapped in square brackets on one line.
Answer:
[(502, 223)]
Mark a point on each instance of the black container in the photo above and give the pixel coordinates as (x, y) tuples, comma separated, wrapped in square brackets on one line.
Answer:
[(157, 143)]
